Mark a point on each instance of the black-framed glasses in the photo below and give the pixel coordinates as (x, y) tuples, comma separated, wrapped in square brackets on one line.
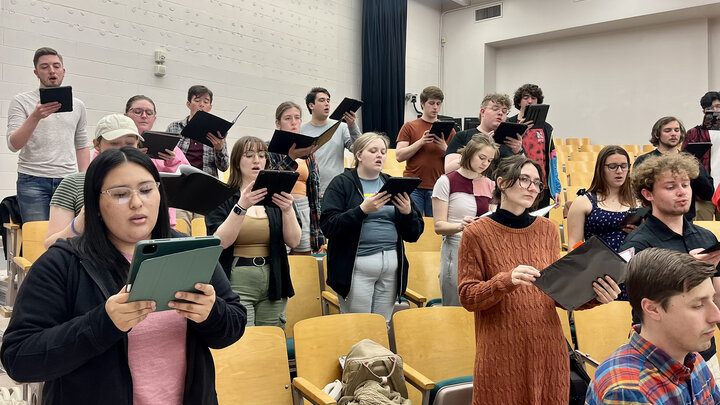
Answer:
[(525, 182), (122, 195), (615, 166)]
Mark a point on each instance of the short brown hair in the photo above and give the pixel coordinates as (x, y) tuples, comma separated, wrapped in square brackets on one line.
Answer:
[(40, 52), (199, 90), (531, 89), (362, 142), (284, 107), (657, 128), (659, 274), (509, 169), (644, 175), (476, 143), (431, 92), (241, 146), (498, 98)]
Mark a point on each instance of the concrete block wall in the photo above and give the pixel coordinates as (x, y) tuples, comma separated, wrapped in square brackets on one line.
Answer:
[(255, 53)]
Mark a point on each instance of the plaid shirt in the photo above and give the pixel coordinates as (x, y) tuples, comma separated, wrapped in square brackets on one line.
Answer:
[(213, 160), (641, 373), (283, 162)]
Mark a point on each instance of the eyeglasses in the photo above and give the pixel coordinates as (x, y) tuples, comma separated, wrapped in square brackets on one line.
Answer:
[(496, 109), (140, 111), (525, 182), (122, 195), (251, 154), (615, 166)]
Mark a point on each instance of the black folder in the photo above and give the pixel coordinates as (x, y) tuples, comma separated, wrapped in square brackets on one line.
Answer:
[(282, 140), (508, 130), (348, 104), (192, 189), (537, 113), (569, 280), (276, 181), (157, 142), (399, 185), (203, 123), (62, 95), (698, 149)]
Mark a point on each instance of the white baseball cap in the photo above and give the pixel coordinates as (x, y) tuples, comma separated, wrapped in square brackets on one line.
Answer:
[(114, 126)]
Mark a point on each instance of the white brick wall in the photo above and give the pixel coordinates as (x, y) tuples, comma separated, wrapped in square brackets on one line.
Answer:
[(249, 52)]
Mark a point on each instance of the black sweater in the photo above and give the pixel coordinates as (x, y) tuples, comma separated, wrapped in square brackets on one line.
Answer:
[(341, 222)]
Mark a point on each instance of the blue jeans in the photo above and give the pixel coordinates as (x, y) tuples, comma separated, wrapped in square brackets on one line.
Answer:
[(33, 196), (423, 199), (373, 288)]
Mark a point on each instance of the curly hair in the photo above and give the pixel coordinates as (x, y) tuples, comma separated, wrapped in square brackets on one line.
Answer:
[(645, 174), (531, 89)]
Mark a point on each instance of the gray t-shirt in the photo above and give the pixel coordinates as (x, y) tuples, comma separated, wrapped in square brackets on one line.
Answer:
[(51, 150), (330, 157), (378, 229)]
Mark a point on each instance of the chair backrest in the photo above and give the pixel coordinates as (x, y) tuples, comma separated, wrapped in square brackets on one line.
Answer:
[(571, 192), (306, 301), (582, 179), (33, 234), (439, 342), (577, 141), (601, 330), (320, 341), (712, 226), (254, 370), (583, 157), (582, 166), (423, 273), (181, 225), (392, 166), (591, 148), (565, 323), (429, 241), (198, 227)]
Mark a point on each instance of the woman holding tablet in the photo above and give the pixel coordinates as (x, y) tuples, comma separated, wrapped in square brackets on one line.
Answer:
[(255, 236), (459, 198), (499, 259), (74, 329), (306, 193), (366, 255)]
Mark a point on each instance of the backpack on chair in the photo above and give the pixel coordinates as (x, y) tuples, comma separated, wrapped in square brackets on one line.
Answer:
[(373, 375)]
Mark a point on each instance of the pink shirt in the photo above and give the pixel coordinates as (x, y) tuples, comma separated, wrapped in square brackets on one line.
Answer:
[(157, 358)]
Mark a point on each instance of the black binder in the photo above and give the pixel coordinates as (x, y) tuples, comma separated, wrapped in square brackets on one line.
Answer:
[(203, 123), (193, 190), (348, 104)]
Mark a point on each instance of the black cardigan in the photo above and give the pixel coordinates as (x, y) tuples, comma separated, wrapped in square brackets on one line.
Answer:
[(60, 333), (341, 221), (280, 283)]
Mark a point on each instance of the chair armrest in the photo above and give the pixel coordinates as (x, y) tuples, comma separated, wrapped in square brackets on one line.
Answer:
[(415, 297), (586, 359), (311, 392), (417, 380), (11, 226), (22, 262), (330, 298)]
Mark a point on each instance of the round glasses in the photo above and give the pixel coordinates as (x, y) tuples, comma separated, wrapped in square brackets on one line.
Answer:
[(525, 182)]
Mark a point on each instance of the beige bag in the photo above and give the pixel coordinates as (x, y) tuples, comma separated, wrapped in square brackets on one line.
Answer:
[(370, 361)]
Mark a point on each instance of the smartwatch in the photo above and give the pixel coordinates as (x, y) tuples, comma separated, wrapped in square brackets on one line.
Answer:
[(239, 210)]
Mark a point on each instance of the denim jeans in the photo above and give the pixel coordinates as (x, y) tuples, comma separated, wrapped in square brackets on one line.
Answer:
[(423, 199), (374, 285), (33, 196)]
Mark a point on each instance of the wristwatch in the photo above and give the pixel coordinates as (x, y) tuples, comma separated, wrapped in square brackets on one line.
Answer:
[(239, 210)]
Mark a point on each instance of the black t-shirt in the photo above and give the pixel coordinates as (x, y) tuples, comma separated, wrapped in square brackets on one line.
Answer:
[(463, 137)]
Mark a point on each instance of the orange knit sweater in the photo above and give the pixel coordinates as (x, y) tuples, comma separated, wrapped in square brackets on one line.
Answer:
[(521, 353)]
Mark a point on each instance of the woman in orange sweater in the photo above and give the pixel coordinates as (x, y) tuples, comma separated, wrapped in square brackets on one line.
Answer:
[(521, 355)]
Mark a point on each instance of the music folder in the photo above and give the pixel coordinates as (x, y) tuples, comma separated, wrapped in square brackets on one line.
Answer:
[(193, 190), (348, 104), (282, 141), (203, 123)]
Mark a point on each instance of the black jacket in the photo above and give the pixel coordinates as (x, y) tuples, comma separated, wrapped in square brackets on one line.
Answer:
[(60, 333), (341, 221), (280, 284)]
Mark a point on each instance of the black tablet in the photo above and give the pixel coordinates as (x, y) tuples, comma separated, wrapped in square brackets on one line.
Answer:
[(537, 113), (348, 104), (157, 142), (442, 129), (276, 181), (62, 95), (698, 149), (399, 185), (508, 130), (711, 249)]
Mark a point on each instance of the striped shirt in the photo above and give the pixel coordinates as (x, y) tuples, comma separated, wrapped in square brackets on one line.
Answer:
[(641, 373), (212, 160)]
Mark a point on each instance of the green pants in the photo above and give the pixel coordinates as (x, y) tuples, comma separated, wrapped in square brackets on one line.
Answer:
[(251, 284)]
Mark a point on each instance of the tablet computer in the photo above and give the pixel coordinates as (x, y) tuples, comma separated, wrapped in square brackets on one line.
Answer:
[(348, 104), (399, 185), (157, 142), (276, 181), (442, 129), (162, 267), (508, 130), (537, 113), (634, 217), (62, 95)]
